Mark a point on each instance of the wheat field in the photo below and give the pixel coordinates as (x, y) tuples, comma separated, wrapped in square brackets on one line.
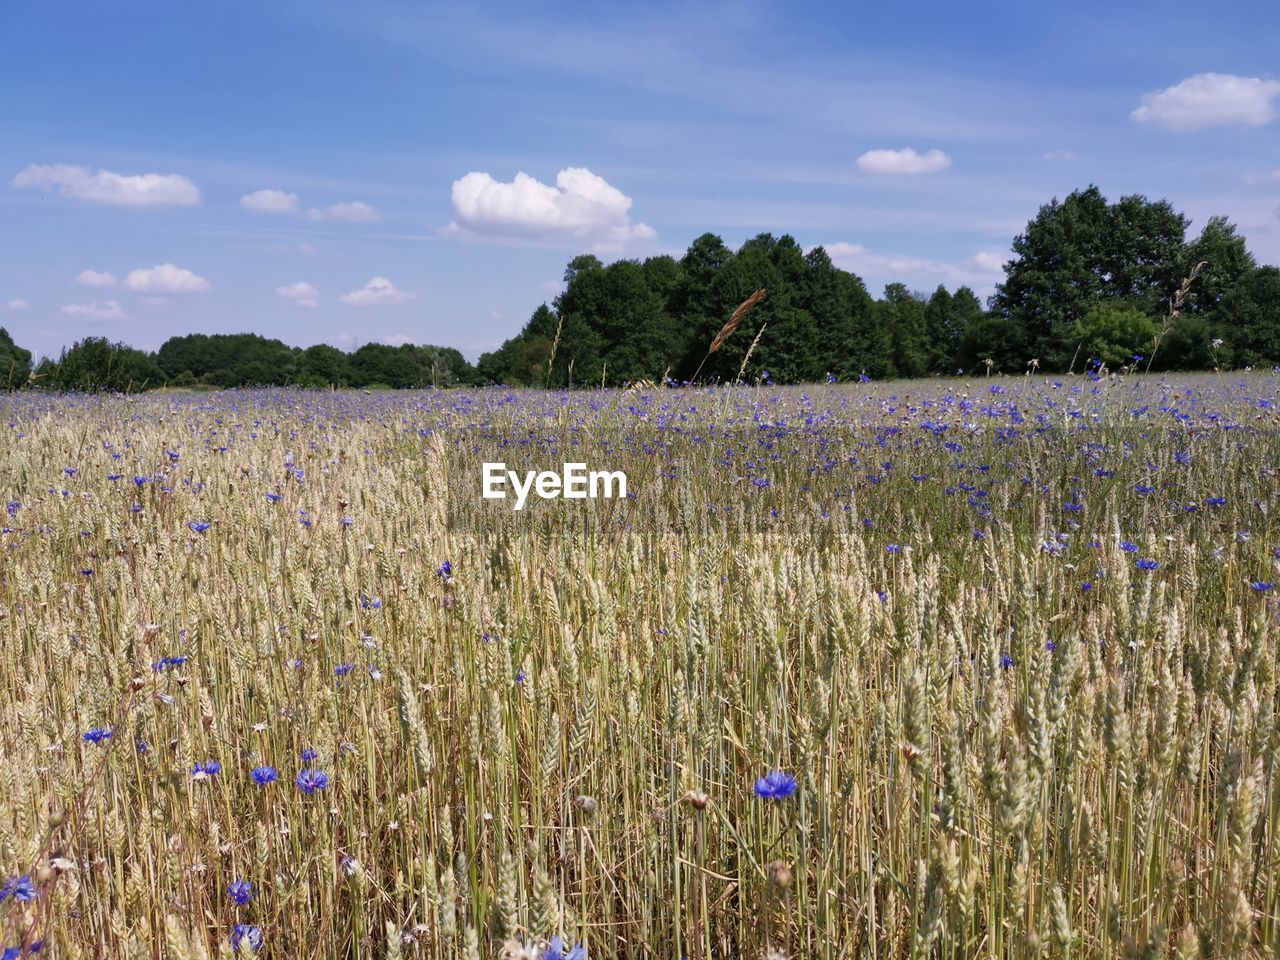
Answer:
[(934, 669)]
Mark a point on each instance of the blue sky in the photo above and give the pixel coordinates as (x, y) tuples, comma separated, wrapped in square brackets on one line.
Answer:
[(323, 171)]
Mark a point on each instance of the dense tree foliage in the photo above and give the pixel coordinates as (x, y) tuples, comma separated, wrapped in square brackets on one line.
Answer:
[(1089, 280), (96, 363), (15, 363), (1082, 251)]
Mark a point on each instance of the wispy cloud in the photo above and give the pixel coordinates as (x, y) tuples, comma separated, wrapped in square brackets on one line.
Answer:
[(353, 211), (92, 278), (301, 293), (980, 271), (17, 303), (107, 310), (103, 186), (270, 201), (376, 293)]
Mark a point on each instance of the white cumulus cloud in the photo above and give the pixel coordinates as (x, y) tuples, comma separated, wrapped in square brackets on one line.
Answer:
[(377, 292), (92, 278), (103, 186), (355, 211), (108, 310), (581, 204), (1210, 100), (270, 201), (301, 293), (904, 161), (165, 278), (17, 303)]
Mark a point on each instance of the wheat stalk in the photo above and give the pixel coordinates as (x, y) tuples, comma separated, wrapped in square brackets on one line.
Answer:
[(727, 330)]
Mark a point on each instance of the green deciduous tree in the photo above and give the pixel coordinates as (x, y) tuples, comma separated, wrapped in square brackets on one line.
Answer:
[(1083, 250), (15, 363), (97, 364), (1249, 319), (1115, 334)]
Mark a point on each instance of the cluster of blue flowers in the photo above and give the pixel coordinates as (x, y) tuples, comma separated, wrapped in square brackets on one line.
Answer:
[(20, 889), (776, 785)]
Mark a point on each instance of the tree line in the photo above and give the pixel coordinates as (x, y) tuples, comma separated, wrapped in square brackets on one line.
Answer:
[(1090, 282), (246, 359)]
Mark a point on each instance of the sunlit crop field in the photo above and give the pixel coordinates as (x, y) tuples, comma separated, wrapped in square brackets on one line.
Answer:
[(940, 668)]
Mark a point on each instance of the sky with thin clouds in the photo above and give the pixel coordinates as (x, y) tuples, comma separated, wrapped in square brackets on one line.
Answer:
[(404, 172)]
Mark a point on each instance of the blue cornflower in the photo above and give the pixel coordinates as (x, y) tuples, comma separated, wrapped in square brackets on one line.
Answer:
[(241, 891), (343, 669), (1006, 661), (557, 949), (309, 781), (1215, 501), (1128, 546), (264, 775), (96, 735), (979, 535), (198, 526), (247, 934), (309, 753), (893, 548), (776, 785), (1144, 564), (273, 497), (11, 953), (1086, 586), (13, 507), (206, 768), (445, 570), (142, 746), (139, 480), (371, 603), (1262, 586), (22, 889)]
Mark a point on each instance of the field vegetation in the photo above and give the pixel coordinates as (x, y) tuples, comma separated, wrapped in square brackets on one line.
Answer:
[(944, 668)]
